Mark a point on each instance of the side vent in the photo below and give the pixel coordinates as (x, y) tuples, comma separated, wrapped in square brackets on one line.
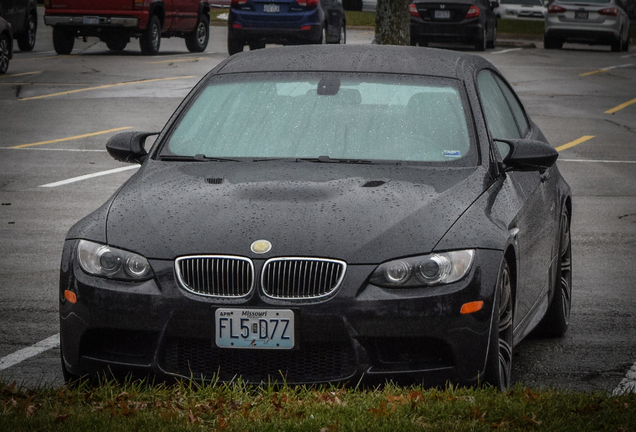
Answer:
[(213, 180), (373, 183)]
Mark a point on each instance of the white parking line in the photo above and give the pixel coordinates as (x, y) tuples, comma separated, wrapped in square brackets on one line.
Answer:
[(88, 176), (595, 161), (51, 149), (507, 51), (628, 384), (28, 352)]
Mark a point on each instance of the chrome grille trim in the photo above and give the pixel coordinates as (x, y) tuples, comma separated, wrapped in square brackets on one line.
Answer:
[(299, 278), (216, 275)]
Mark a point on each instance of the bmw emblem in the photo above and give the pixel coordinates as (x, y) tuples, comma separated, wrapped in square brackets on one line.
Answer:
[(261, 246)]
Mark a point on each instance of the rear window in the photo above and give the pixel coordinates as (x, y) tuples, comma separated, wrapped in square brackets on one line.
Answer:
[(382, 118)]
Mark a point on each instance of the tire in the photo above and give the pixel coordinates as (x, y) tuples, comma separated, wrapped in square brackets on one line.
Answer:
[(480, 44), (323, 36), (117, 43), (557, 318), (234, 45), (26, 41), (197, 41), (342, 37), (499, 360), (5, 51), (551, 43), (626, 44), (63, 41), (150, 40), (617, 45), (491, 44)]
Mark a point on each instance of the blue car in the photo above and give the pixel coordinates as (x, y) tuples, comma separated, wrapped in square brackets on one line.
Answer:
[(286, 22)]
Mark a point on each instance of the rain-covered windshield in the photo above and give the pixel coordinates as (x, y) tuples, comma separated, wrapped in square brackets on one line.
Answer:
[(328, 116)]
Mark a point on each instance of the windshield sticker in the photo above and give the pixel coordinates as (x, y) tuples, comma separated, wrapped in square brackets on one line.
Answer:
[(452, 153)]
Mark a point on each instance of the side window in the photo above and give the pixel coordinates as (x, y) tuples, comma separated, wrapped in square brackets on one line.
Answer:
[(499, 117), (517, 111)]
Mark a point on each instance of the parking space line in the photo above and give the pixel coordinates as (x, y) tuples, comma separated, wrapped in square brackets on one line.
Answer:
[(574, 143), (606, 69), (620, 107), (89, 176), (106, 86), (70, 138), (28, 352), (507, 51), (627, 384), (54, 149), (20, 74), (597, 161), (178, 60)]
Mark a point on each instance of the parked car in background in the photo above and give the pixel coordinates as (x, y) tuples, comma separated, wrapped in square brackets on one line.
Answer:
[(318, 214), (465, 21), (288, 22), (23, 17), (594, 22), (115, 22), (6, 45), (521, 9)]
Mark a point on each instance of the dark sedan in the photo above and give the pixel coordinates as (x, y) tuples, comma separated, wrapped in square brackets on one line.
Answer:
[(472, 22), (326, 214)]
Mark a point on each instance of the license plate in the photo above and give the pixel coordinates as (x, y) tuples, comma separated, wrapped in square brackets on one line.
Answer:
[(271, 8), (442, 14), (254, 328), (581, 15), (91, 20)]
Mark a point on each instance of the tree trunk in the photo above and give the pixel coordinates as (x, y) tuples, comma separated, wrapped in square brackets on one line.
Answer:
[(392, 22)]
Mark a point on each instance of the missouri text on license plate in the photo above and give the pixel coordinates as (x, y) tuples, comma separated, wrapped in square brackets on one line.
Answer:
[(254, 328)]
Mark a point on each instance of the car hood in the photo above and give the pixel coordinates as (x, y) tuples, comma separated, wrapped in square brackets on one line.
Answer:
[(358, 213)]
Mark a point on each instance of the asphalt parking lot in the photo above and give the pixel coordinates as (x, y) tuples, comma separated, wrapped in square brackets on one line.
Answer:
[(56, 113)]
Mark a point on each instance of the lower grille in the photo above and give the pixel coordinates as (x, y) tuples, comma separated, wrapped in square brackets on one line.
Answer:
[(201, 359)]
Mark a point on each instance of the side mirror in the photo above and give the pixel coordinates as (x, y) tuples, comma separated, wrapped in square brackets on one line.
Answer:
[(128, 146), (526, 155)]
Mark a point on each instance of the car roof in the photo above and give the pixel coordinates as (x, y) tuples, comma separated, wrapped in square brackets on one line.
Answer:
[(356, 58)]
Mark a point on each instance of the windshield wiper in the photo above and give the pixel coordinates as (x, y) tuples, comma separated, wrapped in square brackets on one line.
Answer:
[(327, 159), (196, 158)]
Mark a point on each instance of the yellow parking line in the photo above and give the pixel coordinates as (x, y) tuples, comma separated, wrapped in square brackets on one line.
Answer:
[(71, 138), (177, 61), (20, 74), (620, 107), (106, 86), (606, 69), (574, 143)]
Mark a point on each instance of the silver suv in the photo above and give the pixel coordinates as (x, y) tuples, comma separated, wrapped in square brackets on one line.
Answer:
[(601, 22)]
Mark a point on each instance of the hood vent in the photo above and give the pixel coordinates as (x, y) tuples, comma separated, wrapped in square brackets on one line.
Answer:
[(214, 180), (373, 183)]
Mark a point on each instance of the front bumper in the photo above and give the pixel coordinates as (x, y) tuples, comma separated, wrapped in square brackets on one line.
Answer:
[(155, 327)]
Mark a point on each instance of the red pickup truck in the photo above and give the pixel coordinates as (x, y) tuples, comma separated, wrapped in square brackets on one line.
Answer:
[(116, 21)]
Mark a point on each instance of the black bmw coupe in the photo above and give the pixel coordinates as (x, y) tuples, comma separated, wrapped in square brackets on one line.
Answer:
[(326, 214)]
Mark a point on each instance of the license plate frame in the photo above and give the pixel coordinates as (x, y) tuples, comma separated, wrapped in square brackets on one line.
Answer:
[(271, 8), (442, 14), (582, 15), (90, 20), (249, 328)]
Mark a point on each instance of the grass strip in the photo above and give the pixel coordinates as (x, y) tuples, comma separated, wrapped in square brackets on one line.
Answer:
[(188, 406)]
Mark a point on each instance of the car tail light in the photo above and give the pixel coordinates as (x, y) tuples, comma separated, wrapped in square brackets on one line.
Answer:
[(237, 26), (473, 12), (611, 11), (138, 4), (413, 10), (308, 27), (47, 3), (307, 3), (238, 2), (556, 9)]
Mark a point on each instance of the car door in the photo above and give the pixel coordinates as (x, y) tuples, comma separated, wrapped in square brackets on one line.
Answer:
[(536, 219)]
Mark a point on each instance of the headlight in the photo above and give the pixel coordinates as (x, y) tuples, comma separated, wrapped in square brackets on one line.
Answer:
[(426, 270), (101, 260)]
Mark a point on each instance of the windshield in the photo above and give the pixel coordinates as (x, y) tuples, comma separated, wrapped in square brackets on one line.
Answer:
[(328, 116)]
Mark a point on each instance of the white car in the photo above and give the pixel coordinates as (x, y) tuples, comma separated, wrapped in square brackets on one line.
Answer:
[(521, 9), (602, 22)]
